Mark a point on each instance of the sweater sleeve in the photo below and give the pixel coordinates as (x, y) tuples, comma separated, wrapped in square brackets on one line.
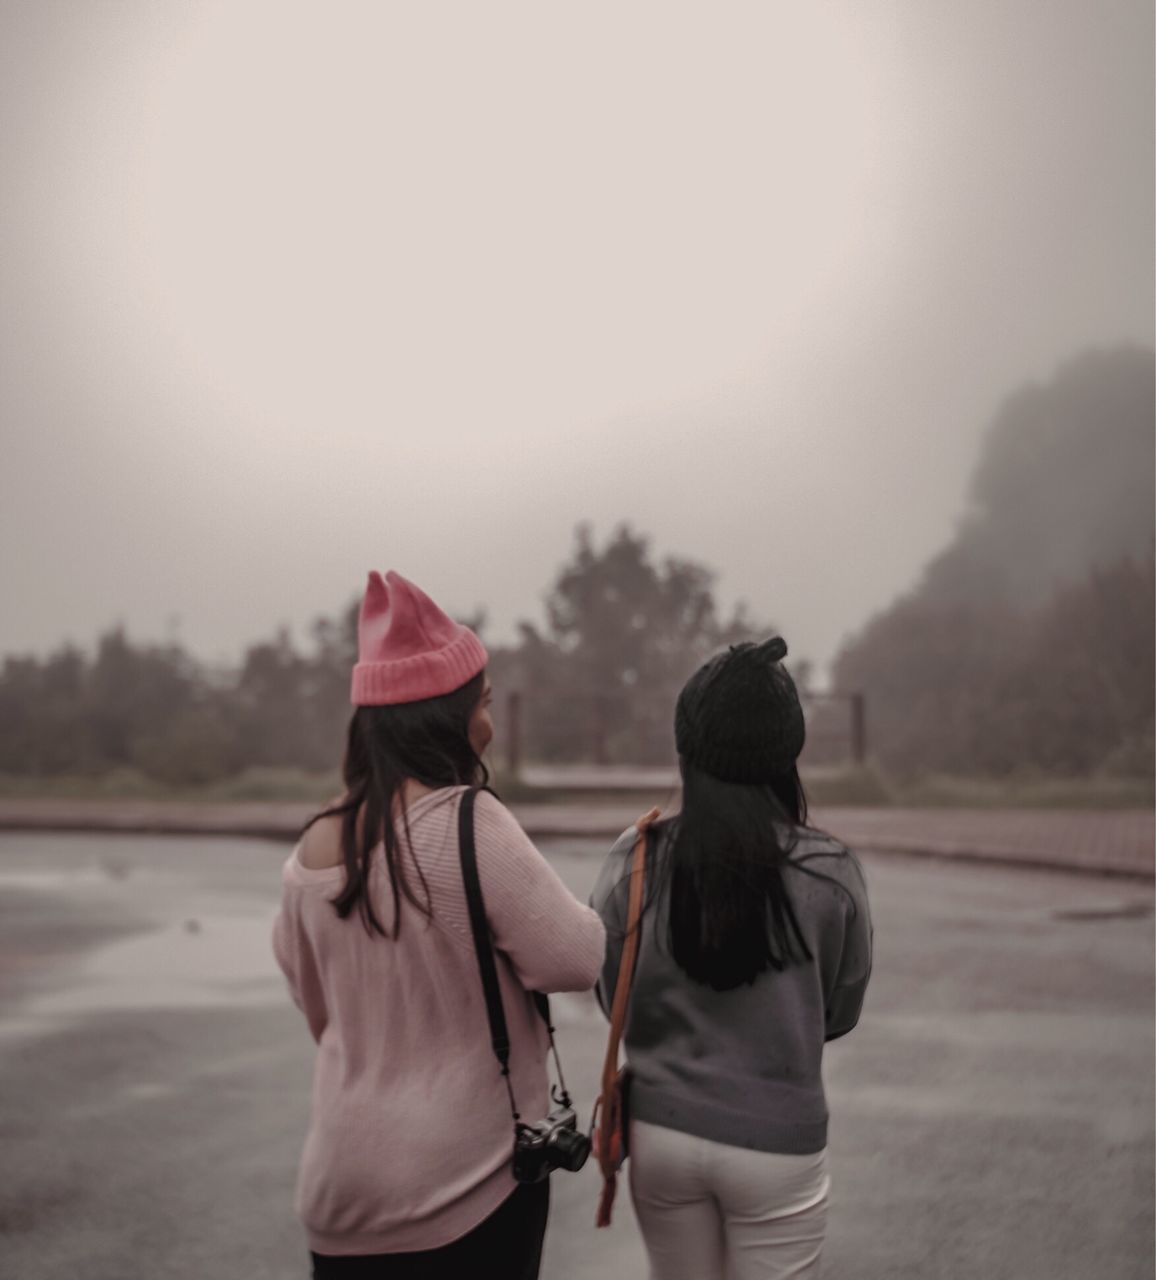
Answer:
[(610, 898), (844, 1001), (297, 960), (552, 940)]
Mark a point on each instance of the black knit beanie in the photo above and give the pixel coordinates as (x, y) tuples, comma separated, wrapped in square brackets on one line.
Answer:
[(738, 717)]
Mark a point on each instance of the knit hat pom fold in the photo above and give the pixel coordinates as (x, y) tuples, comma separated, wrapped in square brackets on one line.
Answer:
[(408, 648), (773, 650)]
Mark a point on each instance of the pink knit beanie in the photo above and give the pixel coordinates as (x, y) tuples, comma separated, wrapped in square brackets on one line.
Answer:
[(407, 648)]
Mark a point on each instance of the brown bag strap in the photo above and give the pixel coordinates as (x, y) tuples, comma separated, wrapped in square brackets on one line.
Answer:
[(629, 952)]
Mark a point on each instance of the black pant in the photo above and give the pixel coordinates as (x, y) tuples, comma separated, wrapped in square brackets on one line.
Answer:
[(508, 1244)]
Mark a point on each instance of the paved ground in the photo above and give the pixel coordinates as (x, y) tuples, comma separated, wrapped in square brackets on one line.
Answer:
[(992, 1115), (1103, 842)]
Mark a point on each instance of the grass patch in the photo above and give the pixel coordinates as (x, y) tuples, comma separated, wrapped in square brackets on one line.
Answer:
[(1095, 792), (857, 785), (130, 784)]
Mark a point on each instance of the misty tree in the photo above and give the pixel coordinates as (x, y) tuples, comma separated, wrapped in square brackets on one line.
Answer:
[(1086, 677), (42, 709), (1064, 482), (326, 676), (148, 708), (623, 633), (1030, 644)]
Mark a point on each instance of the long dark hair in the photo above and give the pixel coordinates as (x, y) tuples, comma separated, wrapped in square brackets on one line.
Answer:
[(731, 916), (428, 741)]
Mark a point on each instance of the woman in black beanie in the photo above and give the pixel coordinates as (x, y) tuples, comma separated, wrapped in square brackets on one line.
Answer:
[(755, 950)]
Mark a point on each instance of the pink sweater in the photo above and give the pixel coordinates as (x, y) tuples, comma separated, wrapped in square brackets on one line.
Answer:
[(410, 1135)]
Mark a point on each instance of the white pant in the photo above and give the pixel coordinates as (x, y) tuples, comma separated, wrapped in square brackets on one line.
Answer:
[(709, 1211)]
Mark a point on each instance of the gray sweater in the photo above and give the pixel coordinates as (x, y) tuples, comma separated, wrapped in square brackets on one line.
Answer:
[(742, 1067)]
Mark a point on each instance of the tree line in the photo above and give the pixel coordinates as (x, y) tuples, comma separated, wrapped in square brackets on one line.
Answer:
[(623, 631), (1028, 643)]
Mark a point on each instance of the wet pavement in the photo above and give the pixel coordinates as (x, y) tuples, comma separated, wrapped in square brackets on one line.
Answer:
[(991, 1116)]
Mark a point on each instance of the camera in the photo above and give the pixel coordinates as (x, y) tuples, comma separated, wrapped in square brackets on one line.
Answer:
[(553, 1143)]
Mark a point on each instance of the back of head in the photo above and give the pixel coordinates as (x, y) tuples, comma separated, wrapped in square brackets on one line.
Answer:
[(739, 729), (418, 680), (739, 718)]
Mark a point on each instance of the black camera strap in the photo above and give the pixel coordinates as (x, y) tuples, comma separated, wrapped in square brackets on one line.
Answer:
[(499, 1032)]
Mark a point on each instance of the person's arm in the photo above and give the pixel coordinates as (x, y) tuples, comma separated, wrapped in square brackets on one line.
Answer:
[(552, 940), (610, 898), (845, 998), (296, 959)]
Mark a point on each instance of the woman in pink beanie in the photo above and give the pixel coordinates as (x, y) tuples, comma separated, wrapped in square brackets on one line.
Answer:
[(406, 1168)]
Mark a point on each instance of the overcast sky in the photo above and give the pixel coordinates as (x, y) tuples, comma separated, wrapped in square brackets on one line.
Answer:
[(289, 292)]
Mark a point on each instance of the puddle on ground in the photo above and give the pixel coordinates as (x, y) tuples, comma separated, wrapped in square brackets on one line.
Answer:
[(57, 879), (224, 960), (1105, 911)]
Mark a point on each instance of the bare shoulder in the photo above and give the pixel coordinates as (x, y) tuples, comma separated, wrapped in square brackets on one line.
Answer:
[(321, 844)]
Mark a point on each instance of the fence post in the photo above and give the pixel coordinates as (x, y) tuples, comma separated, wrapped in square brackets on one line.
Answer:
[(859, 727), (514, 732)]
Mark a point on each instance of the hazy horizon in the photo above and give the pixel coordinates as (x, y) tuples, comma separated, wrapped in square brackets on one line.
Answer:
[(291, 293)]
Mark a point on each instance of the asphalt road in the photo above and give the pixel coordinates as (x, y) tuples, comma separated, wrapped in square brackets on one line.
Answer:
[(992, 1116)]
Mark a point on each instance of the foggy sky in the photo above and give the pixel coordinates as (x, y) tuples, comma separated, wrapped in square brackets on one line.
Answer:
[(291, 292)]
